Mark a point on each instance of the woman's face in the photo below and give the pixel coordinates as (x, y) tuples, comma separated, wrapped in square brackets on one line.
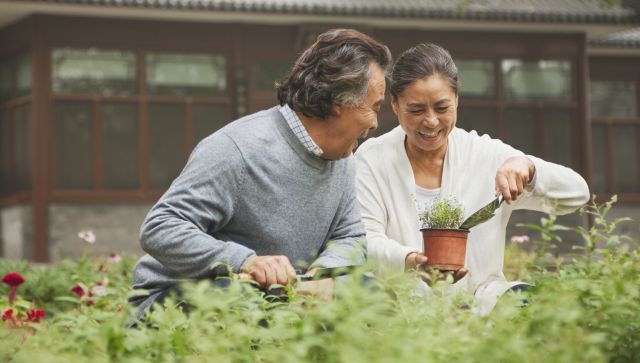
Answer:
[(427, 113)]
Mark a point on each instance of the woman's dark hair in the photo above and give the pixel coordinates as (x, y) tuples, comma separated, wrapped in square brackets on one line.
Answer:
[(419, 62), (333, 71)]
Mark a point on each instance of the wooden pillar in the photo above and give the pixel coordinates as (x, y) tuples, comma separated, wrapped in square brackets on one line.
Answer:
[(584, 114), (41, 134)]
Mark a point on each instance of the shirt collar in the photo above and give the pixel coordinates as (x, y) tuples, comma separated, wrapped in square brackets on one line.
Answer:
[(299, 130)]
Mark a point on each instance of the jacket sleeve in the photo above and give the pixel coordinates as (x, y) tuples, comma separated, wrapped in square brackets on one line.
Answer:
[(199, 201), (556, 189), (387, 254), (347, 243)]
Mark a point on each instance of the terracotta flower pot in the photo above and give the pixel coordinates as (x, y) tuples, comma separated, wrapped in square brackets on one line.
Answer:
[(445, 248)]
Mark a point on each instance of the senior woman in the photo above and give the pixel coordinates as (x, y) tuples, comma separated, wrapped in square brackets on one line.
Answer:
[(426, 157)]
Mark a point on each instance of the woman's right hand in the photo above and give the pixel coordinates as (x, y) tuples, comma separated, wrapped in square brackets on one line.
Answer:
[(414, 260), (418, 262)]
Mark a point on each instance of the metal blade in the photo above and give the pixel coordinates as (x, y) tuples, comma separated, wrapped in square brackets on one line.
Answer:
[(483, 214)]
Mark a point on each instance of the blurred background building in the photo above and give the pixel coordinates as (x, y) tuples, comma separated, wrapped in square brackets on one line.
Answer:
[(101, 101)]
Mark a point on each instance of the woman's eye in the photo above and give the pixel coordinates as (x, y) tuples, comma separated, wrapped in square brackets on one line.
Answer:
[(416, 112), (442, 109)]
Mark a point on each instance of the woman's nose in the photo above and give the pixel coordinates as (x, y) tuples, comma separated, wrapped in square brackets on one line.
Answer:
[(431, 120)]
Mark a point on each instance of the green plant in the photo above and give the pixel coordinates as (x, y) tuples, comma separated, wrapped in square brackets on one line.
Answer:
[(582, 311), (445, 213)]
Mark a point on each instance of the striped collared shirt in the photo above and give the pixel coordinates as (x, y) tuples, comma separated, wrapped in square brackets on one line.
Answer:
[(298, 128)]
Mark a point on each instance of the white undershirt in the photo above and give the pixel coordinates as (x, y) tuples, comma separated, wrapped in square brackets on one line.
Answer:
[(425, 196)]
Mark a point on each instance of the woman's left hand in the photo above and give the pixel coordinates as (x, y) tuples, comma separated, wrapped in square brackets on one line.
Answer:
[(513, 176)]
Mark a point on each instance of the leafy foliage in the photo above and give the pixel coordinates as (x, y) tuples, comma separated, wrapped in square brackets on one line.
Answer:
[(583, 311)]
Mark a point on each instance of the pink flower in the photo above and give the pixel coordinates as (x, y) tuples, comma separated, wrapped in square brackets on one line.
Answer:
[(520, 239), (87, 236), (90, 302), (79, 291), (13, 280), (35, 315), (114, 258), (7, 315)]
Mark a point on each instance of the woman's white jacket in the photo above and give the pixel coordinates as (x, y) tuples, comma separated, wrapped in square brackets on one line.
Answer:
[(386, 194)]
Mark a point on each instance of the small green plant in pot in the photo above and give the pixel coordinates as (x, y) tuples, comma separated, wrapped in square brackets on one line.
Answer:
[(444, 242)]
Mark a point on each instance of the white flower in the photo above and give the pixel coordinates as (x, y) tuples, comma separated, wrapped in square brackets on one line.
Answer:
[(87, 236), (520, 239), (99, 290)]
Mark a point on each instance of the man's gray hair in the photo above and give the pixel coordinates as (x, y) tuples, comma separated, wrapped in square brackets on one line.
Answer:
[(335, 70)]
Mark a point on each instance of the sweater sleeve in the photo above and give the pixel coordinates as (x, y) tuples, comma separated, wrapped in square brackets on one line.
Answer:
[(347, 244), (387, 254), (199, 201), (557, 189)]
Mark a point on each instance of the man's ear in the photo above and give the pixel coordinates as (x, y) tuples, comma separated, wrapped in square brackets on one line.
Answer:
[(336, 110)]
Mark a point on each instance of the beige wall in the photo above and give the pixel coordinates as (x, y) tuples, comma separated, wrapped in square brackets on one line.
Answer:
[(116, 227), (16, 231)]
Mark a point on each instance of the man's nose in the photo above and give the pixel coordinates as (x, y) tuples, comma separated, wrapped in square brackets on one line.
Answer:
[(374, 124)]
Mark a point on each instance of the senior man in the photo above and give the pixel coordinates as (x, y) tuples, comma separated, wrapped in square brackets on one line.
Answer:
[(274, 192)]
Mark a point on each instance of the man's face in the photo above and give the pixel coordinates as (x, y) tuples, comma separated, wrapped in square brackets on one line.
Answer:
[(352, 123)]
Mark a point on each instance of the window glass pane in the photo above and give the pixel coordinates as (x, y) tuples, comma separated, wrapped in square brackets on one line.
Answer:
[(599, 159), (521, 129), (476, 78), (207, 119), (609, 98), (5, 80), (23, 78), (541, 80), (166, 143), (73, 149), (22, 148), (186, 74), (265, 74), (625, 154), (483, 120), (558, 137), (92, 71), (5, 153), (119, 124)]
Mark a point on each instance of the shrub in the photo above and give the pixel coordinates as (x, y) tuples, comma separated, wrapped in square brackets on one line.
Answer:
[(443, 213)]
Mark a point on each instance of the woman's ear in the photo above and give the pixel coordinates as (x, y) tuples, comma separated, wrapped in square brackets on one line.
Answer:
[(394, 105)]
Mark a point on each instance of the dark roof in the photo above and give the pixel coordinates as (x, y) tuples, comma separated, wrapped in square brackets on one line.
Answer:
[(560, 11), (624, 39)]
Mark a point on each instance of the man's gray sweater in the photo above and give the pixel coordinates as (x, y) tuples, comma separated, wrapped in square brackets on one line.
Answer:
[(249, 189)]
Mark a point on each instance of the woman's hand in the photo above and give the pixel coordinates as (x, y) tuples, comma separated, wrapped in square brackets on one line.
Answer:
[(414, 260), (513, 176), (418, 262)]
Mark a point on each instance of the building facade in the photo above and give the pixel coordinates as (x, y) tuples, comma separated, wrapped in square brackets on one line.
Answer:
[(101, 102)]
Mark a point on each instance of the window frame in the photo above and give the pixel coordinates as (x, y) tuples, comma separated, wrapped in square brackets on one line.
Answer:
[(501, 104), (616, 69), (15, 101), (142, 100)]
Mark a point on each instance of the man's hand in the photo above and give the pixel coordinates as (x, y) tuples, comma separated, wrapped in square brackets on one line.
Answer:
[(322, 289), (513, 176), (269, 270), (418, 262)]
